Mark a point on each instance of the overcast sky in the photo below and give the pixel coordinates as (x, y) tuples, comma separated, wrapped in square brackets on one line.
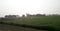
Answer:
[(19, 7)]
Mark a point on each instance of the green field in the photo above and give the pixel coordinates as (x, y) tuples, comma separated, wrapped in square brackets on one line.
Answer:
[(16, 28), (51, 21)]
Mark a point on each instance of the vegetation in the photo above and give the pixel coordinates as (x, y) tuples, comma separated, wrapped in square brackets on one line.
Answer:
[(43, 22), (16, 28)]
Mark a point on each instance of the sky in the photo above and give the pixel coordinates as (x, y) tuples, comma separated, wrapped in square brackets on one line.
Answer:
[(20, 7)]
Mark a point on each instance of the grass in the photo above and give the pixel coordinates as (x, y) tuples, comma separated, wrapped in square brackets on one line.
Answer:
[(51, 21), (16, 28)]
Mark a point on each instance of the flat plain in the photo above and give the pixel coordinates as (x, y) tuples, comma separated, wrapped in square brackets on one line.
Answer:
[(50, 21)]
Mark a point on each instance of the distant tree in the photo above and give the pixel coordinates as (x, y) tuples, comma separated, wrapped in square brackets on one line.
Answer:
[(11, 16), (28, 14), (6, 16), (40, 14), (23, 15)]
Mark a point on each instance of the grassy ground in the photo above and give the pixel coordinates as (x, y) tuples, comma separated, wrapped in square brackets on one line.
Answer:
[(15, 28), (51, 21)]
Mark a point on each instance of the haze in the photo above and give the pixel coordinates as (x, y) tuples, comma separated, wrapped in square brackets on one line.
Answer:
[(20, 7)]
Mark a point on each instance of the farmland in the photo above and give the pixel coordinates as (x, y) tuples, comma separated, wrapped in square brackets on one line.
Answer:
[(40, 21), (16, 28)]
